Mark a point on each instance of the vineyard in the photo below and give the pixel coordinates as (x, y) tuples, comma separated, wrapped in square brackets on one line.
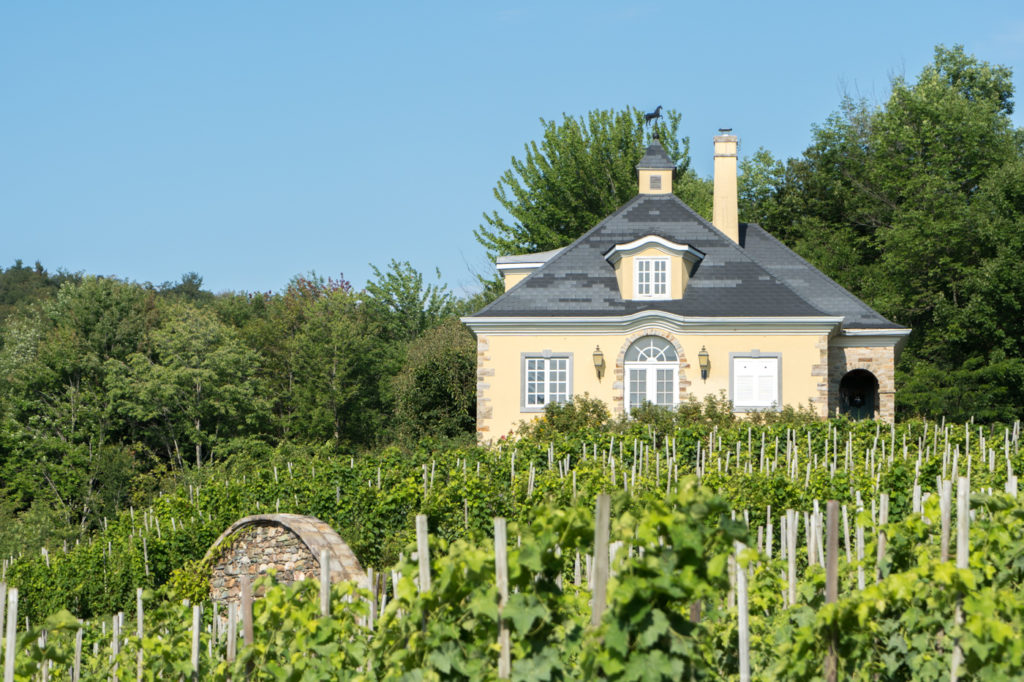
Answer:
[(795, 551)]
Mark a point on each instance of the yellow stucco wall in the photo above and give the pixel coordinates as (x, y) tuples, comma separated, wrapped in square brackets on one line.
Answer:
[(514, 277), (804, 369), (645, 181)]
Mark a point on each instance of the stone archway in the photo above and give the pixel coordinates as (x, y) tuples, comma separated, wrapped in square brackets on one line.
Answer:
[(858, 394), (288, 543)]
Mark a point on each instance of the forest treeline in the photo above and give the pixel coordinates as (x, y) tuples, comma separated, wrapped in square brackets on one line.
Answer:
[(108, 388)]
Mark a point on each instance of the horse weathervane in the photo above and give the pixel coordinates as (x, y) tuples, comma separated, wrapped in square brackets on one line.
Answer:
[(651, 117), (656, 114)]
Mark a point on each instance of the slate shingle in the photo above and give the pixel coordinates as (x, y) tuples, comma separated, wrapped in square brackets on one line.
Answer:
[(763, 278)]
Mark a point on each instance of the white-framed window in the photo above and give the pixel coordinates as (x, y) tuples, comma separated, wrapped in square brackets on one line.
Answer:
[(755, 381), (652, 373), (651, 277), (546, 378)]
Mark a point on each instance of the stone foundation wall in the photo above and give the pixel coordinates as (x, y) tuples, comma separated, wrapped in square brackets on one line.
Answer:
[(879, 360), (254, 551)]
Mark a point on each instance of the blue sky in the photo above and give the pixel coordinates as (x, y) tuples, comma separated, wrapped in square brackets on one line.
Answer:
[(253, 141)]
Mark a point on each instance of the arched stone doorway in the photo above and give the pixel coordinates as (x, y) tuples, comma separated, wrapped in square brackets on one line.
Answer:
[(858, 394)]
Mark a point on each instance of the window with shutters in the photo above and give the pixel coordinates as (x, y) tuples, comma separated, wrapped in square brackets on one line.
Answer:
[(755, 381), (546, 378), (651, 277)]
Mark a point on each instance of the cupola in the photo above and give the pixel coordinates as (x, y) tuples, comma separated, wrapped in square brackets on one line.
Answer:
[(655, 170)]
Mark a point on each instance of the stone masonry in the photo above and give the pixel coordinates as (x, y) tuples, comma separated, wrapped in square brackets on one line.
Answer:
[(287, 543), (879, 360), (484, 410)]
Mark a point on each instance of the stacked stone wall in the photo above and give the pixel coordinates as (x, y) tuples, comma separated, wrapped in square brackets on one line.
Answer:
[(256, 550), (288, 544)]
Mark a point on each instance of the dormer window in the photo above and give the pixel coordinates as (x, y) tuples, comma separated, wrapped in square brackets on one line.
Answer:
[(653, 268), (652, 276)]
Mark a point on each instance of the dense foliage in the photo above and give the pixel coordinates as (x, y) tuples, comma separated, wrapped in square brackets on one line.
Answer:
[(112, 390), (917, 206)]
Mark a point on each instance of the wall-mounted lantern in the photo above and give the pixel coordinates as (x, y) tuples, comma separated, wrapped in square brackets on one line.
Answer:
[(705, 363), (598, 361)]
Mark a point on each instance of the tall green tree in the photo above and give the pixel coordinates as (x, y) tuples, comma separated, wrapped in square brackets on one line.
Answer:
[(916, 206), (581, 170), (199, 384), (64, 441), (339, 356), (403, 304), (436, 388)]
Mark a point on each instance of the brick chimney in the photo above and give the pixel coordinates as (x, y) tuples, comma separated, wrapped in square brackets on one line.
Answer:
[(725, 214)]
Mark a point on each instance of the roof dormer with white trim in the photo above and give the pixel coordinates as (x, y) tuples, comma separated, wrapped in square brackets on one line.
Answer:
[(653, 268)]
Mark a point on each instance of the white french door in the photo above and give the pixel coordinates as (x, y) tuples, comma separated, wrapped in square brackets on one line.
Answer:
[(653, 383)]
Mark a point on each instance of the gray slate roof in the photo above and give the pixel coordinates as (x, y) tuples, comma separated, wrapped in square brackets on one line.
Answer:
[(655, 157), (808, 281), (763, 278)]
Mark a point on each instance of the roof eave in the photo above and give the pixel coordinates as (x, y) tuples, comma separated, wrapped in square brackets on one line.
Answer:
[(817, 325)]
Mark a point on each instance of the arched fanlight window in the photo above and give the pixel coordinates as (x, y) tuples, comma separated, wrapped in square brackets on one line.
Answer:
[(651, 349), (652, 373)]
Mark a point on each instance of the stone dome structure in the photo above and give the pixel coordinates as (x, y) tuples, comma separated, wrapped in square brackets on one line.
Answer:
[(288, 543)]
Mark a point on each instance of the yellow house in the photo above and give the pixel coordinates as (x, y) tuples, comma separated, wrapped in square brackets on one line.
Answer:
[(655, 304)]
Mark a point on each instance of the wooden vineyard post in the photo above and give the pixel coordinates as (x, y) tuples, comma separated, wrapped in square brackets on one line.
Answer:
[(3, 610), (423, 552), (791, 555), (945, 502), (832, 583), (76, 666), (138, 632), (501, 579), (372, 575), (963, 531), (246, 605), (325, 583), (602, 519), (742, 614), (115, 627), (12, 634), (232, 647), (883, 519), (197, 623)]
